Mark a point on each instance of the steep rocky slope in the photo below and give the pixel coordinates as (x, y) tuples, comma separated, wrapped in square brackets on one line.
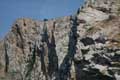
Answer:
[(85, 46)]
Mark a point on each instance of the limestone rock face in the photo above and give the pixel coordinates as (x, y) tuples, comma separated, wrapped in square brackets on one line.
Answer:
[(85, 46)]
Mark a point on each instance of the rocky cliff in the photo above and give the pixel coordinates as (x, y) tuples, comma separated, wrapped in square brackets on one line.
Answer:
[(84, 46)]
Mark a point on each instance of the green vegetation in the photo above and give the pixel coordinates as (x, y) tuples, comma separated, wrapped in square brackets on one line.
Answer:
[(13, 73), (90, 29)]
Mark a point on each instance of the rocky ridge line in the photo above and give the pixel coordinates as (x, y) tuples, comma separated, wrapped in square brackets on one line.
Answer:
[(80, 47)]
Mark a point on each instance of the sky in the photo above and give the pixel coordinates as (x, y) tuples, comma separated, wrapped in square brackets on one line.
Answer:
[(10, 10)]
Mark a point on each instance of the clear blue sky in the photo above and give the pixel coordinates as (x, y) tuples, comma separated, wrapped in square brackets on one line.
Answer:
[(10, 10)]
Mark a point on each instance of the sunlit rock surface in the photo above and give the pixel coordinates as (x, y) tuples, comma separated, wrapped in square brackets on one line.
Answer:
[(84, 46)]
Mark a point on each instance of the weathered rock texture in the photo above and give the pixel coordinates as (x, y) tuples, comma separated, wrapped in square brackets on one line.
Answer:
[(85, 46)]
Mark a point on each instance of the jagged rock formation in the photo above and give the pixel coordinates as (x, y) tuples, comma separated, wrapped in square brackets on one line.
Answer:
[(85, 46)]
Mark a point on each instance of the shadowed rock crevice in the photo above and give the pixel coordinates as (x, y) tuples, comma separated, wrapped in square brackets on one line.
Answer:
[(94, 74), (86, 73), (53, 59), (6, 57), (64, 71), (44, 52), (41, 54), (48, 55), (20, 40), (79, 65), (31, 61), (87, 41)]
